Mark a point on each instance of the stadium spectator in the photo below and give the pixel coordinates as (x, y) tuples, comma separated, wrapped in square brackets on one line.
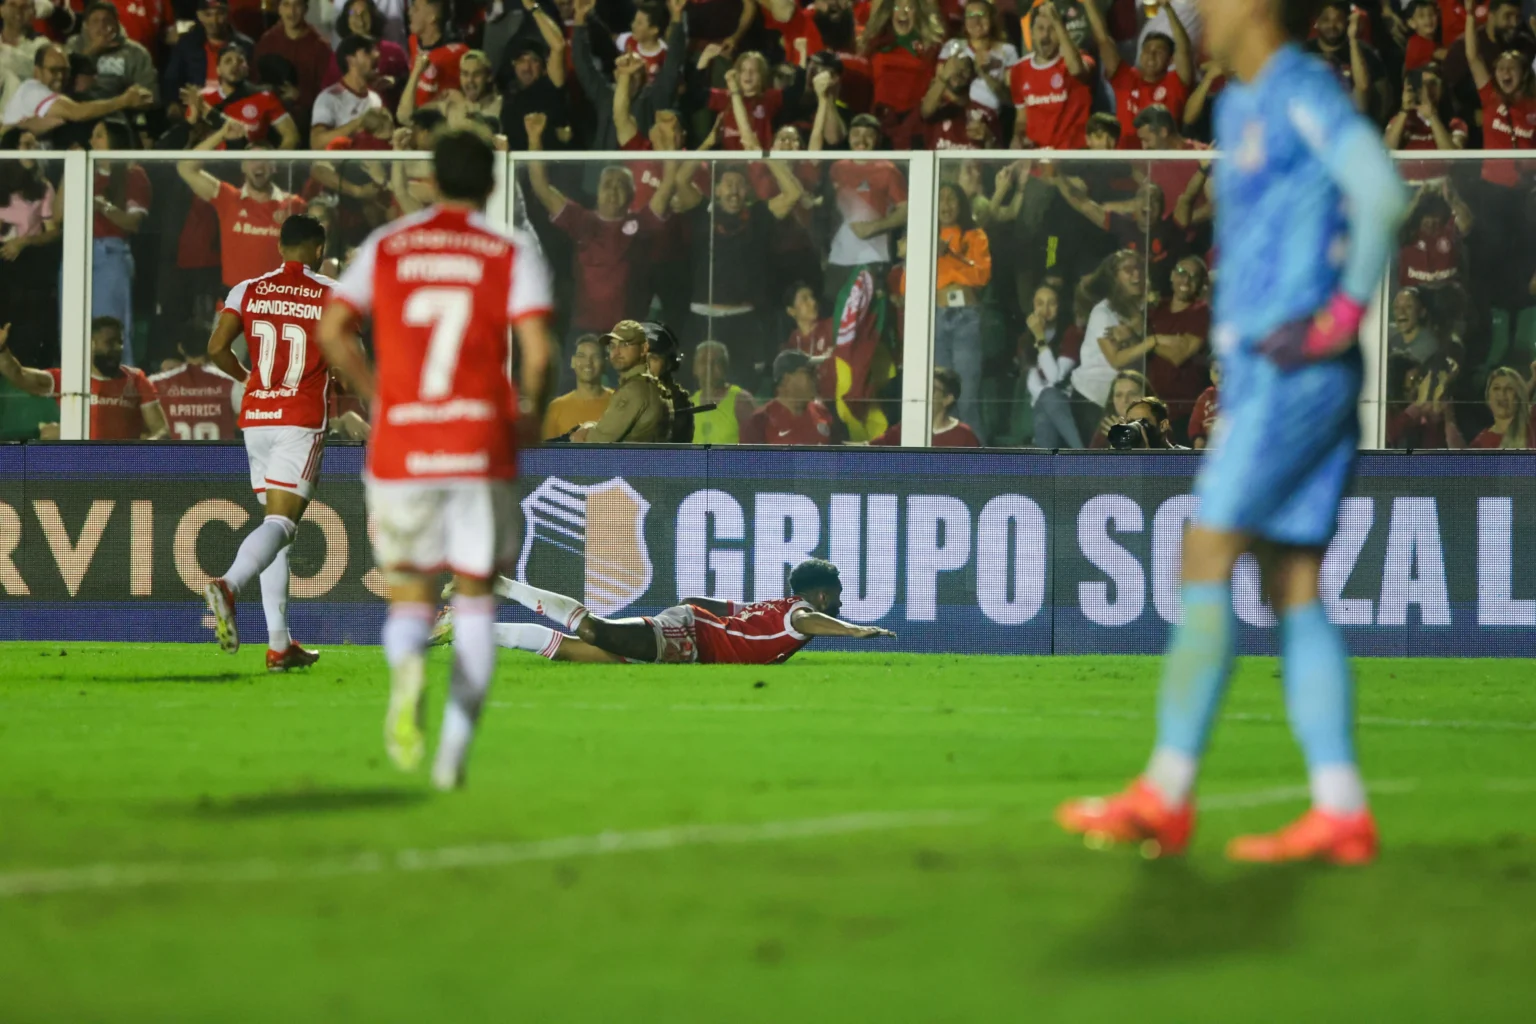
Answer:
[(18, 46), (1045, 349), (793, 415), (663, 358), (1157, 128), (532, 90), (986, 44), (588, 400), (646, 90), (124, 404), (1422, 416), (1128, 388), (1413, 339), (434, 56), (341, 108), (1356, 63), (964, 269), (1203, 419), (611, 241), (813, 333), (1509, 403), (951, 114), (1432, 239), (121, 197), (197, 399), (648, 28), (1502, 31), (902, 42), (231, 97), (947, 431), (120, 62), (1112, 301), (362, 18), (40, 106), (1509, 123), (639, 412), (194, 61), (1163, 74), (477, 85), (1424, 46), (1048, 87), (1151, 414), (251, 216), (731, 416), (31, 222), (1421, 124), (295, 40), (871, 200), (1179, 327), (746, 85)]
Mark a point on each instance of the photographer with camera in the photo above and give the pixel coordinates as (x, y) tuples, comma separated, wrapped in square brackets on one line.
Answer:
[(1146, 425)]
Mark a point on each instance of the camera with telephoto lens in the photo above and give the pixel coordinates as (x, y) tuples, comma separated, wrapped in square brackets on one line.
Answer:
[(1137, 433)]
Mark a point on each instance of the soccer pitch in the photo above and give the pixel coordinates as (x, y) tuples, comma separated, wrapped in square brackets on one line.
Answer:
[(844, 838)]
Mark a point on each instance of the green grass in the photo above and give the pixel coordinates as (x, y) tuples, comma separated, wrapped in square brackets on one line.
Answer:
[(169, 755)]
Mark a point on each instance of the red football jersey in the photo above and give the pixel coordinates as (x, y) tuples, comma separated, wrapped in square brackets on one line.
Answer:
[(116, 404), (1505, 126), (753, 634), (281, 313), (441, 72), (761, 110), (653, 61), (197, 404), (258, 111), (443, 288), (1054, 104), (1133, 94)]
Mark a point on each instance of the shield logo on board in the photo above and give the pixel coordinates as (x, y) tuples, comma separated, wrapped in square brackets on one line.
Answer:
[(591, 535)]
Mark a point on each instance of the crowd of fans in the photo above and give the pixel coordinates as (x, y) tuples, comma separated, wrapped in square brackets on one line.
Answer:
[(1070, 297)]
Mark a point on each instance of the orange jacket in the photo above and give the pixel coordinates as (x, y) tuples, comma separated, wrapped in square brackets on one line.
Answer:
[(972, 268)]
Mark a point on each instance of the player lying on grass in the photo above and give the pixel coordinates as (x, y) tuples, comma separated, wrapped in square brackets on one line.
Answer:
[(700, 629)]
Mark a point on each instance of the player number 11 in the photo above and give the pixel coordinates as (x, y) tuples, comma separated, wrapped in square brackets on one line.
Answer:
[(266, 352)]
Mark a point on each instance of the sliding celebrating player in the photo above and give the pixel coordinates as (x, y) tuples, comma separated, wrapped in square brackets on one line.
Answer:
[(283, 417), (444, 290), (1307, 205), (700, 629)]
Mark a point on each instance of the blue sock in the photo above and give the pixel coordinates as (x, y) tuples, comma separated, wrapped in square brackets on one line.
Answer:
[(1195, 674), (1319, 698)]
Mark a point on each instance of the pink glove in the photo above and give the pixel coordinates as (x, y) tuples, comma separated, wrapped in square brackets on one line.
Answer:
[(1326, 335)]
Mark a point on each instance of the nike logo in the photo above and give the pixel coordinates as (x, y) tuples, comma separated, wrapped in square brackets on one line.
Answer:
[(785, 433)]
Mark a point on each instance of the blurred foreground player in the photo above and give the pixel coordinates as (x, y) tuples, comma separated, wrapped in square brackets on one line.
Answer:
[(1307, 204), (700, 629), (444, 290), (283, 416)]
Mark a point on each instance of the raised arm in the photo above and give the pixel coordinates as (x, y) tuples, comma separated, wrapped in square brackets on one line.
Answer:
[(204, 185), (743, 24), (1358, 69), (1109, 53), (1185, 208), (407, 105), (1076, 195), (1069, 51), (812, 623), (538, 172), (1210, 74), (23, 378), (1183, 52), (938, 85), (661, 199), (554, 38), (687, 196), (1461, 213), (665, 84), (789, 189), (1475, 62), (625, 127), (739, 112)]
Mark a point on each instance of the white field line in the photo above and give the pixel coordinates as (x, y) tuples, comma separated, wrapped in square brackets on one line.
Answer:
[(1286, 794), (446, 858), (1453, 724)]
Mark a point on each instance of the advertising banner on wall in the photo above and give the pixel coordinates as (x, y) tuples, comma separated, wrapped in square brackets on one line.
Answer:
[(957, 551)]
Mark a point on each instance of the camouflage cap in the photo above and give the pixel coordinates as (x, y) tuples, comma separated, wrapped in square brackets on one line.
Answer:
[(626, 332)]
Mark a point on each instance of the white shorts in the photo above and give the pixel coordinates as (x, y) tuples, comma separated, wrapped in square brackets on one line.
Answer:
[(676, 640), (284, 459), (468, 527)]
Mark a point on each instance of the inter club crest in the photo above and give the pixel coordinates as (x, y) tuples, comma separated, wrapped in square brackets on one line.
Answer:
[(587, 534)]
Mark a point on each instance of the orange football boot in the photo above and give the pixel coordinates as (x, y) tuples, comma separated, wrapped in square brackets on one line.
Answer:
[(1316, 835), (294, 657), (1138, 815)]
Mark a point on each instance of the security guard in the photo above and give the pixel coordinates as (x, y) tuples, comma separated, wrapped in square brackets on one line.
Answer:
[(640, 410), (664, 355)]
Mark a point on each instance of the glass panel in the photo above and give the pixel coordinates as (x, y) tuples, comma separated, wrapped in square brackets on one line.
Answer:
[(1067, 289), (169, 240), (1461, 326), (31, 217), (752, 260)]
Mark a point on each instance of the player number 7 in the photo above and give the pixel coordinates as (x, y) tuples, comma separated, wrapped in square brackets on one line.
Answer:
[(447, 312)]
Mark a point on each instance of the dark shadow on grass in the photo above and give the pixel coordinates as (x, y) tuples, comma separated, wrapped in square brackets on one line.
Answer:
[(306, 801), (1174, 915), (146, 677)]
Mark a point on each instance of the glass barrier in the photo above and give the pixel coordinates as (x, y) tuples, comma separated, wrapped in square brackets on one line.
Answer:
[(753, 264), (31, 254), (1461, 323), (1066, 291)]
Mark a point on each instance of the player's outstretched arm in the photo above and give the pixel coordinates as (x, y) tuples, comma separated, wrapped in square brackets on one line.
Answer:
[(23, 378), (817, 624)]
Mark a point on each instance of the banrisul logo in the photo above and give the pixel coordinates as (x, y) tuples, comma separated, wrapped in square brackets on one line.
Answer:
[(594, 533)]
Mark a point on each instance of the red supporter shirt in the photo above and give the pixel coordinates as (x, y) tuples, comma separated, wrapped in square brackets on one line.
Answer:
[(248, 229), (1491, 438), (801, 25), (443, 289), (1133, 94), (949, 126), (819, 342), (607, 253), (775, 424), (1181, 385), (258, 111), (653, 61), (1506, 126), (1453, 18), (441, 73), (1055, 105), (761, 109), (1419, 52), (135, 199), (143, 21), (1203, 418), (901, 77), (753, 634), (197, 402), (280, 312), (957, 436), (116, 404), (1431, 260)]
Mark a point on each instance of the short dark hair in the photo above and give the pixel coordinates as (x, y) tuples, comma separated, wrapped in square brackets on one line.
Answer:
[(1103, 124), (351, 45), (657, 14), (428, 119), (588, 339), (228, 47), (1157, 405), (813, 574), (100, 5), (1298, 16), (1160, 37), (948, 381), (465, 166), (1158, 118), (301, 229), (793, 292), (102, 323)]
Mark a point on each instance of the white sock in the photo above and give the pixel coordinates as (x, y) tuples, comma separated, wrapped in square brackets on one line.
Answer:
[(565, 610), (541, 640), (274, 600), (406, 629), (1338, 789), (474, 662), (1172, 773), (258, 549)]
